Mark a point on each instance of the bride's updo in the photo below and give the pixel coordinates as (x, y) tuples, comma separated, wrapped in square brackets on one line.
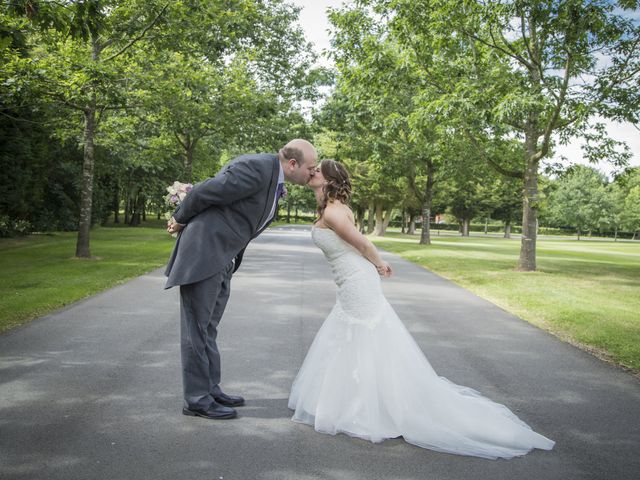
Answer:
[(337, 184)]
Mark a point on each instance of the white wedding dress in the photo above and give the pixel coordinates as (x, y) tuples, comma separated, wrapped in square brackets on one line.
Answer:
[(365, 376)]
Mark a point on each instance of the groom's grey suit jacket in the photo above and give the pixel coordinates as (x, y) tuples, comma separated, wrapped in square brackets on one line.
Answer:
[(222, 215)]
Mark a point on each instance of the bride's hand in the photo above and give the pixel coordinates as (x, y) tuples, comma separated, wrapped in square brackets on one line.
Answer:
[(384, 269)]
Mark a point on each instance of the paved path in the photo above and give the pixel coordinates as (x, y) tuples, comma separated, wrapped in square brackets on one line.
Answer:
[(94, 392)]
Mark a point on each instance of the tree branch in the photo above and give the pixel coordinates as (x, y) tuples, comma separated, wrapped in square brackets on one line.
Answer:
[(139, 37), (18, 119), (523, 30), (514, 124), (513, 51), (567, 122), (497, 47), (412, 185), (552, 124), (66, 102), (483, 153), (184, 145)]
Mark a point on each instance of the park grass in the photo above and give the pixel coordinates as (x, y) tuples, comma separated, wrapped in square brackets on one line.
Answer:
[(41, 274), (585, 292)]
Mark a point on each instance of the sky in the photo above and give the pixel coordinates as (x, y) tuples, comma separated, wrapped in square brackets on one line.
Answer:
[(314, 21)]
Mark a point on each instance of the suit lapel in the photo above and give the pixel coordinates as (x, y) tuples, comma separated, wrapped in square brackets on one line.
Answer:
[(271, 194)]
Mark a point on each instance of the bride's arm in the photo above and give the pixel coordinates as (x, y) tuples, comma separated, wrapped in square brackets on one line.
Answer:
[(337, 219)]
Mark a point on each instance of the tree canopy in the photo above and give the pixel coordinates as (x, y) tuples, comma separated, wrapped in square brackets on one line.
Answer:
[(437, 107)]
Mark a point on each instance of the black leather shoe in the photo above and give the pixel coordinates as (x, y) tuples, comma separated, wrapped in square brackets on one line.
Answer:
[(229, 400), (214, 412)]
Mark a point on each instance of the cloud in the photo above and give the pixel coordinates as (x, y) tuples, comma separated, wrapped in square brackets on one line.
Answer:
[(625, 132)]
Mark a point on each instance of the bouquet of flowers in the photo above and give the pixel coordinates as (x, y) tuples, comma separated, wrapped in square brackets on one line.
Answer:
[(176, 194)]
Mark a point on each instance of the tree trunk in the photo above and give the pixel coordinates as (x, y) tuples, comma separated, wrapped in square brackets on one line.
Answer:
[(360, 219), (412, 224), (527, 260), (288, 212), (188, 162), (404, 221), (465, 226), (425, 235), (379, 230), (615, 234), (507, 229), (116, 205), (378, 218), (189, 149), (386, 220), (578, 232), (370, 218), (486, 226), (127, 208), (86, 199), (135, 216)]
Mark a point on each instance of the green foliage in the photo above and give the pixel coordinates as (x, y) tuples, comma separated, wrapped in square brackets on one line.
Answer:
[(173, 86), (494, 73), (13, 228), (299, 200), (631, 210), (580, 200)]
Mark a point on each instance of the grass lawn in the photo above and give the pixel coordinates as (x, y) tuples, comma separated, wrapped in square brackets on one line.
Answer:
[(41, 274), (585, 292)]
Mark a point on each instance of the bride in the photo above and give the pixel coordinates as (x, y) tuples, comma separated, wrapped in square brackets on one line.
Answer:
[(365, 376)]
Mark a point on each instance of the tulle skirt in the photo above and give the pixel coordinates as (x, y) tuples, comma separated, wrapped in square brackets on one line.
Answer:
[(371, 380)]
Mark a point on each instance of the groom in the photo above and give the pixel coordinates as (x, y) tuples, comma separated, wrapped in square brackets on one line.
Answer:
[(216, 221)]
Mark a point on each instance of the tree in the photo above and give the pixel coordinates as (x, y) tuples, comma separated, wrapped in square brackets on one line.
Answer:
[(580, 200), (209, 75), (629, 196), (81, 66), (382, 86), (631, 212), (240, 92), (504, 201), (526, 69)]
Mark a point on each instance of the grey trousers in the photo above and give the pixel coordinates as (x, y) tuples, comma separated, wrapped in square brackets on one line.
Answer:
[(201, 307)]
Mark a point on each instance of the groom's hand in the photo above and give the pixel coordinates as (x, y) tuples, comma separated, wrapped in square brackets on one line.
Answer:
[(173, 226)]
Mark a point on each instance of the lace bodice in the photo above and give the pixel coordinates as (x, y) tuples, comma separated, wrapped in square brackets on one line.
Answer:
[(359, 295)]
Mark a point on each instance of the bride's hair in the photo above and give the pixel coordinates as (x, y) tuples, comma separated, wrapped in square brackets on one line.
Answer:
[(337, 186)]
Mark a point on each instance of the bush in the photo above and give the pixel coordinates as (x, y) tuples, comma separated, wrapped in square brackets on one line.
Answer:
[(14, 228)]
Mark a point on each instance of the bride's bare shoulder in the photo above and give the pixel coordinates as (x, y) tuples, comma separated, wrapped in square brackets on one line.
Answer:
[(336, 210), (337, 206)]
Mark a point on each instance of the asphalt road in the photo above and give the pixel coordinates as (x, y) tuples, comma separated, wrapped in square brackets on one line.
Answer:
[(94, 391)]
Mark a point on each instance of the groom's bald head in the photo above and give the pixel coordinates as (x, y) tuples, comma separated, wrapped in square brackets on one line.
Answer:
[(298, 159), (300, 150)]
